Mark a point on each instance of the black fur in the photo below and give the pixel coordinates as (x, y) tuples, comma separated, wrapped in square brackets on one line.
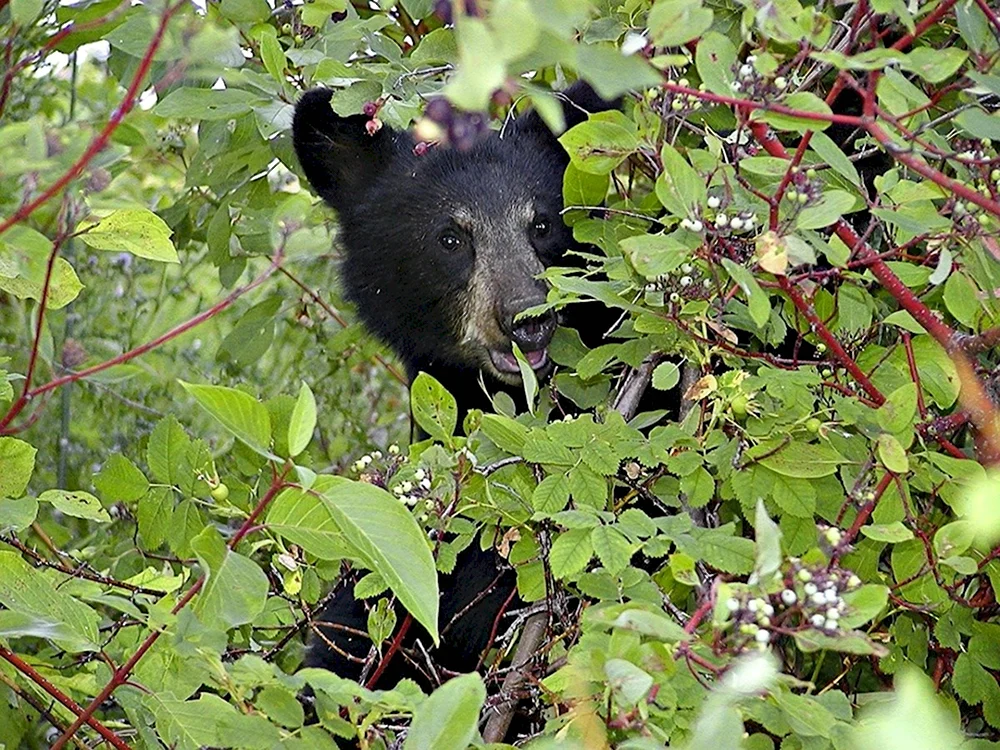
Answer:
[(394, 208)]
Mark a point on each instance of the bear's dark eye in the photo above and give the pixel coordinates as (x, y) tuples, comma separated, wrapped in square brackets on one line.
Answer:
[(450, 241), (541, 226)]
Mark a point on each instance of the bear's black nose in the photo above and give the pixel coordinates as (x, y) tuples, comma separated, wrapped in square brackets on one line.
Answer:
[(533, 334)]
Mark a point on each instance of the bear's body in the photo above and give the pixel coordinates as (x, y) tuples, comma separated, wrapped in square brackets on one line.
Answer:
[(442, 251)]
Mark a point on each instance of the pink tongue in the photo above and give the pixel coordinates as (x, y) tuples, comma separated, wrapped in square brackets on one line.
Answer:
[(535, 358)]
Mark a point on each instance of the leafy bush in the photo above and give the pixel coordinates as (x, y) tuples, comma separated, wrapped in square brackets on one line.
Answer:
[(796, 214)]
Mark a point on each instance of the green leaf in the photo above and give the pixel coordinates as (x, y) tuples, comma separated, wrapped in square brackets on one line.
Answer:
[(971, 681), (978, 124), (831, 153), (892, 454), (728, 553), (768, 544), (24, 255), (448, 718), (715, 58), (628, 681), (207, 104), (653, 255), (167, 450), (832, 206), (801, 101), (571, 552), (961, 299), (851, 642), (17, 514), (434, 409), (481, 68), (612, 548), (76, 503), (132, 230), (864, 604), (245, 11), (805, 715), (23, 590), (377, 525), (505, 433), (235, 588), (899, 410), (653, 624), (893, 533), (302, 422), (240, 413), (797, 459), (24, 12), (699, 487), (119, 480), (932, 64), (675, 22), (679, 187), (611, 73), (760, 304), (551, 495), (601, 143), (17, 462), (666, 376), (154, 516)]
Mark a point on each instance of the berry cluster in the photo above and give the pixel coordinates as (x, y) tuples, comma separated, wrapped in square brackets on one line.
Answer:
[(966, 214), (804, 188), (748, 80), (808, 597), (393, 473), (442, 123), (681, 102), (686, 283)]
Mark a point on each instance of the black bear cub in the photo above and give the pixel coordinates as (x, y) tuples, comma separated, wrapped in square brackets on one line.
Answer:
[(442, 252)]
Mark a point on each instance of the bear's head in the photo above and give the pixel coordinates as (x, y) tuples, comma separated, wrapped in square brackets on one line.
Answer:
[(443, 250)]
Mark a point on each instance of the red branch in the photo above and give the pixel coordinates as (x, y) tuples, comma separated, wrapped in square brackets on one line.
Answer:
[(121, 674), (173, 333), (26, 669), (97, 145)]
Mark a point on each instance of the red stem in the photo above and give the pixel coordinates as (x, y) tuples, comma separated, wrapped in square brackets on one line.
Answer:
[(831, 341), (98, 144), (26, 669), (391, 652), (781, 109), (173, 333), (121, 674)]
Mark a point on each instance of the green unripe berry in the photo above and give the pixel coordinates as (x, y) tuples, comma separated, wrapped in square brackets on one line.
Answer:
[(813, 425), (298, 39), (803, 198), (740, 407), (286, 28), (220, 492), (811, 173)]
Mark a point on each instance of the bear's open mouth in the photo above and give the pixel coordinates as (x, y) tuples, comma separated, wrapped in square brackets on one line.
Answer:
[(507, 362)]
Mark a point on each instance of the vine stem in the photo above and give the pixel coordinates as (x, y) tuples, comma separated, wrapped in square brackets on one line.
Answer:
[(97, 145), (121, 675)]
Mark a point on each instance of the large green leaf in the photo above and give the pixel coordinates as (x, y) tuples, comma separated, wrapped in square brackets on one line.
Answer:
[(340, 516), (447, 720), (235, 588), (24, 591), (133, 230), (17, 461), (240, 413)]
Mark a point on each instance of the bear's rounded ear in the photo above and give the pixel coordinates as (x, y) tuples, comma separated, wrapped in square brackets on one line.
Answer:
[(340, 159)]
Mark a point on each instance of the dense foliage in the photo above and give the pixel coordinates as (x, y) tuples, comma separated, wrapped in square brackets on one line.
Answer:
[(796, 213)]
